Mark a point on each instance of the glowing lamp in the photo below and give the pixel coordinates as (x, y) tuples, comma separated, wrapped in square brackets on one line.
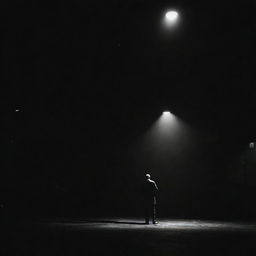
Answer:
[(171, 16)]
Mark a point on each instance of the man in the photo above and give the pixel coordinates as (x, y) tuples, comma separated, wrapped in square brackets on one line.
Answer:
[(149, 193)]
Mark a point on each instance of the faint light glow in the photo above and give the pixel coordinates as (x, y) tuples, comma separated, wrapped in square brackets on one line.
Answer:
[(166, 142), (252, 145), (17, 110), (167, 116), (170, 19), (166, 123), (171, 16)]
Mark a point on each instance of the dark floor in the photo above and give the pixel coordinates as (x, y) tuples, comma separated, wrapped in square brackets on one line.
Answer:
[(128, 237)]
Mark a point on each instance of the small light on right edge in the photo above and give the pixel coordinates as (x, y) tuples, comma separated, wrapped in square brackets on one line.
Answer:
[(252, 145)]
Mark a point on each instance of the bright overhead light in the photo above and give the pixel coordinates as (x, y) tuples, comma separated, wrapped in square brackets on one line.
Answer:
[(171, 16), (167, 113)]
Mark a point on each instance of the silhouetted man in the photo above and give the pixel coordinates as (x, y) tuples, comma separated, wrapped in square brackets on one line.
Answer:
[(149, 194)]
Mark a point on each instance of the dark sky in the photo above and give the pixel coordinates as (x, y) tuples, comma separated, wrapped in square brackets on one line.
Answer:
[(90, 78), (99, 59)]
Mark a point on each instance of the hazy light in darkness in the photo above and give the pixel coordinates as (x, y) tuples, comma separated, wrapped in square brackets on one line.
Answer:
[(252, 145), (171, 16), (166, 122), (167, 113), (165, 130), (170, 19), (165, 146)]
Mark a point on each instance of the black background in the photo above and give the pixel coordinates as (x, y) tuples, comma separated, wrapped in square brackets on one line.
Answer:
[(82, 82)]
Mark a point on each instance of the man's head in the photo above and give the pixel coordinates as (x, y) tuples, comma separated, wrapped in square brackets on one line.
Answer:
[(147, 176)]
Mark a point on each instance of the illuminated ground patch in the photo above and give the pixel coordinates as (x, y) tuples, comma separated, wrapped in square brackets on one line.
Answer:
[(163, 224)]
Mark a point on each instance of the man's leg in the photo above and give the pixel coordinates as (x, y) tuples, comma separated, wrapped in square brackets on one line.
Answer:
[(146, 209), (154, 213)]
